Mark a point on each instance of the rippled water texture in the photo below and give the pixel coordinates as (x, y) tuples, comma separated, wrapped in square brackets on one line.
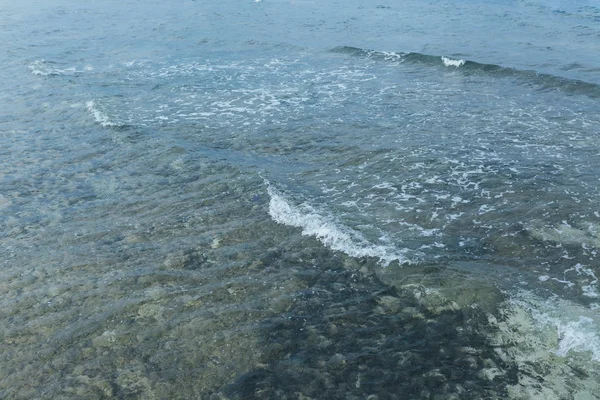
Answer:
[(299, 200)]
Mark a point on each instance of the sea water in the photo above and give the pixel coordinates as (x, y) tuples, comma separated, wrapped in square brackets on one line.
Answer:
[(300, 199)]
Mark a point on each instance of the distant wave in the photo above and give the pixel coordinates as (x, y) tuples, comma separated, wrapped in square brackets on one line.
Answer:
[(49, 68), (331, 234), (543, 81)]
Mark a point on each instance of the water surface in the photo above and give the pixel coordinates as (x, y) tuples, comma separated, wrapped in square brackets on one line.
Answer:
[(298, 199)]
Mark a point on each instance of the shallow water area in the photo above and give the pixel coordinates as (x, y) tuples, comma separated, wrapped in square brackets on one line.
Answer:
[(295, 199)]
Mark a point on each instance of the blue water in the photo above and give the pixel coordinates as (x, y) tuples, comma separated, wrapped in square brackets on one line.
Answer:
[(300, 199)]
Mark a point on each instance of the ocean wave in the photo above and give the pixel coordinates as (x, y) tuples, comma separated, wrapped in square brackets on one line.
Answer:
[(101, 117), (542, 80), (48, 68), (332, 234)]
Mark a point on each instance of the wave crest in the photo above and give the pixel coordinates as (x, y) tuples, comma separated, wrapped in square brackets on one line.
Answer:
[(333, 235), (527, 77), (101, 117), (449, 62)]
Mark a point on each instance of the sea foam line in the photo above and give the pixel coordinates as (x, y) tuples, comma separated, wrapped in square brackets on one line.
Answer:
[(335, 236)]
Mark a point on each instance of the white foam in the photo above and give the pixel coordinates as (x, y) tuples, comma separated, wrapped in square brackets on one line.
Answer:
[(564, 234), (576, 335), (385, 185), (99, 116), (589, 290), (38, 67), (44, 68), (554, 344), (418, 228), (331, 234), (448, 62), (576, 326), (484, 209), (392, 56)]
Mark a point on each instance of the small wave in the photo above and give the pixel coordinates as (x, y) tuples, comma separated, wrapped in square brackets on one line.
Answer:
[(331, 234), (47, 68), (542, 80), (100, 117)]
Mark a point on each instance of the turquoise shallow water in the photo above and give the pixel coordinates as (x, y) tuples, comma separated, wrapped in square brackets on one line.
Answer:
[(295, 199)]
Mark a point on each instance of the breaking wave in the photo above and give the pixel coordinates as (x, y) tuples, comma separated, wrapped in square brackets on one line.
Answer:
[(327, 231), (101, 118)]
